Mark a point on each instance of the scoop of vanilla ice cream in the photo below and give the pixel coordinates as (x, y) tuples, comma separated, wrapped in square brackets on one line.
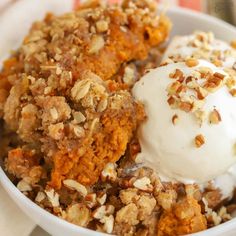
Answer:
[(201, 45), (169, 147)]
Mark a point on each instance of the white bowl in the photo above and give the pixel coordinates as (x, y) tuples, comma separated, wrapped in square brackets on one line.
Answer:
[(184, 22)]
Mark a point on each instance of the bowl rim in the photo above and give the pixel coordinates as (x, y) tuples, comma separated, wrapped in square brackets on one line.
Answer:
[(15, 193), (11, 188), (203, 16)]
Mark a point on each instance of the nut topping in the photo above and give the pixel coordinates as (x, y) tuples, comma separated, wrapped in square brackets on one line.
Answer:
[(185, 106), (96, 44), (143, 184), (75, 186), (175, 119), (199, 140), (53, 197), (23, 186), (214, 117), (191, 62)]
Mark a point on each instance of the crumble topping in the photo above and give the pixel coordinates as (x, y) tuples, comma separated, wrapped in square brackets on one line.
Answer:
[(214, 117), (189, 93), (233, 44), (67, 94), (71, 118), (191, 62)]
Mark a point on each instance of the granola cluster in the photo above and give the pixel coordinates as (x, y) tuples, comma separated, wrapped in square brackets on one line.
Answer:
[(67, 103), (189, 93), (129, 200)]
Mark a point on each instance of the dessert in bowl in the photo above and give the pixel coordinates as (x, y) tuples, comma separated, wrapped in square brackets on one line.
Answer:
[(76, 119)]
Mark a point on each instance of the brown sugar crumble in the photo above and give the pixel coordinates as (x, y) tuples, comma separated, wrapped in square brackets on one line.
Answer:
[(67, 95)]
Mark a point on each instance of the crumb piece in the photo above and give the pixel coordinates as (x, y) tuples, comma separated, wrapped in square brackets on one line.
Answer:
[(234, 66), (23, 186), (97, 43), (129, 75), (78, 117), (20, 162), (233, 92), (72, 184), (109, 172), (205, 70), (124, 229), (178, 74), (214, 117), (102, 26), (186, 106), (191, 62), (219, 75), (91, 200), (212, 217), (171, 101), (167, 199), (56, 131), (78, 131), (173, 88), (101, 198), (175, 119), (108, 222), (191, 82), (217, 63), (80, 89), (128, 214), (145, 205), (193, 191), (77, 214), (102, 105), (213, 198), (199, 140), (103, 211), (129, 195), (143, 184), (214, 82), (224, 214), (40, 197), (53, 197), (201, 93)]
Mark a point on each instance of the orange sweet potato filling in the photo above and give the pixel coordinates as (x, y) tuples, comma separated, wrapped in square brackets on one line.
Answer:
[(86, 162), (38, 68), (184, 218)]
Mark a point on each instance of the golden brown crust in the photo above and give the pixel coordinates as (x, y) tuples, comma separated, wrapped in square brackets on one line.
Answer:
[(184, 218), (24, 164), (106, 145), (64, 97)]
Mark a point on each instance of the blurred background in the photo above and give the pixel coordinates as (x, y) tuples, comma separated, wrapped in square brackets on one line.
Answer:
[(224, 9)]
